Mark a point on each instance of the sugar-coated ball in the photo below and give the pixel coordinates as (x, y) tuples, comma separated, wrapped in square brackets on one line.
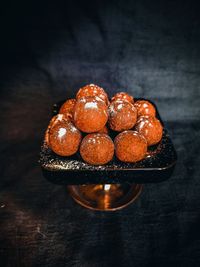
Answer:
[(68, 107), (64, 138), (130, 146), (104, 130), (122, 115), (97, 149), (53, 121), (92, 90), (145, 108), (123, 96), (151, 128), (90, 114)]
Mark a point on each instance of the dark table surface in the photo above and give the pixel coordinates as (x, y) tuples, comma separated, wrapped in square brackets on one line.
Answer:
[(48, 52)]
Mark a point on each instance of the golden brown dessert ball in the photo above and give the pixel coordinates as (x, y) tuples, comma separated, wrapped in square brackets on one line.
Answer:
[(122, 115), (68, 107), (151, 128), (97, 148), (130, 146), (54, 120), (90, 114), (92, 90), (145, 108), (123, 96), (64, 138), (104, 130)]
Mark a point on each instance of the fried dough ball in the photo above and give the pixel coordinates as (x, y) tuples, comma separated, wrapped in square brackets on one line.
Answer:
[(92, 90), (90, 114), (68, 107), (151, 128), (97, 149), (145, 108), (64, 138), (104, 130), (130, 146), (54, 120), (123, 96), (122, 115)]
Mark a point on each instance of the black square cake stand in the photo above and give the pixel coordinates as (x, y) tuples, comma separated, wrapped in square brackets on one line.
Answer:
[(111, 186)]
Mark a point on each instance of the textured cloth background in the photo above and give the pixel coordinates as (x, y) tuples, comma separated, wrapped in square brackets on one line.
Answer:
[(47, 52)]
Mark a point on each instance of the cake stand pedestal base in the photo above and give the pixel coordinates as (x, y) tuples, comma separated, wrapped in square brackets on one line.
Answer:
[(105, 197)]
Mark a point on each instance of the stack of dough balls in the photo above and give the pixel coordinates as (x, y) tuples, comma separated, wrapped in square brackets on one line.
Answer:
[(85, 123)]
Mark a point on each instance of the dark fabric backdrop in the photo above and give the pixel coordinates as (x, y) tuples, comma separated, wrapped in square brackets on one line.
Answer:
[(150, 49)]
